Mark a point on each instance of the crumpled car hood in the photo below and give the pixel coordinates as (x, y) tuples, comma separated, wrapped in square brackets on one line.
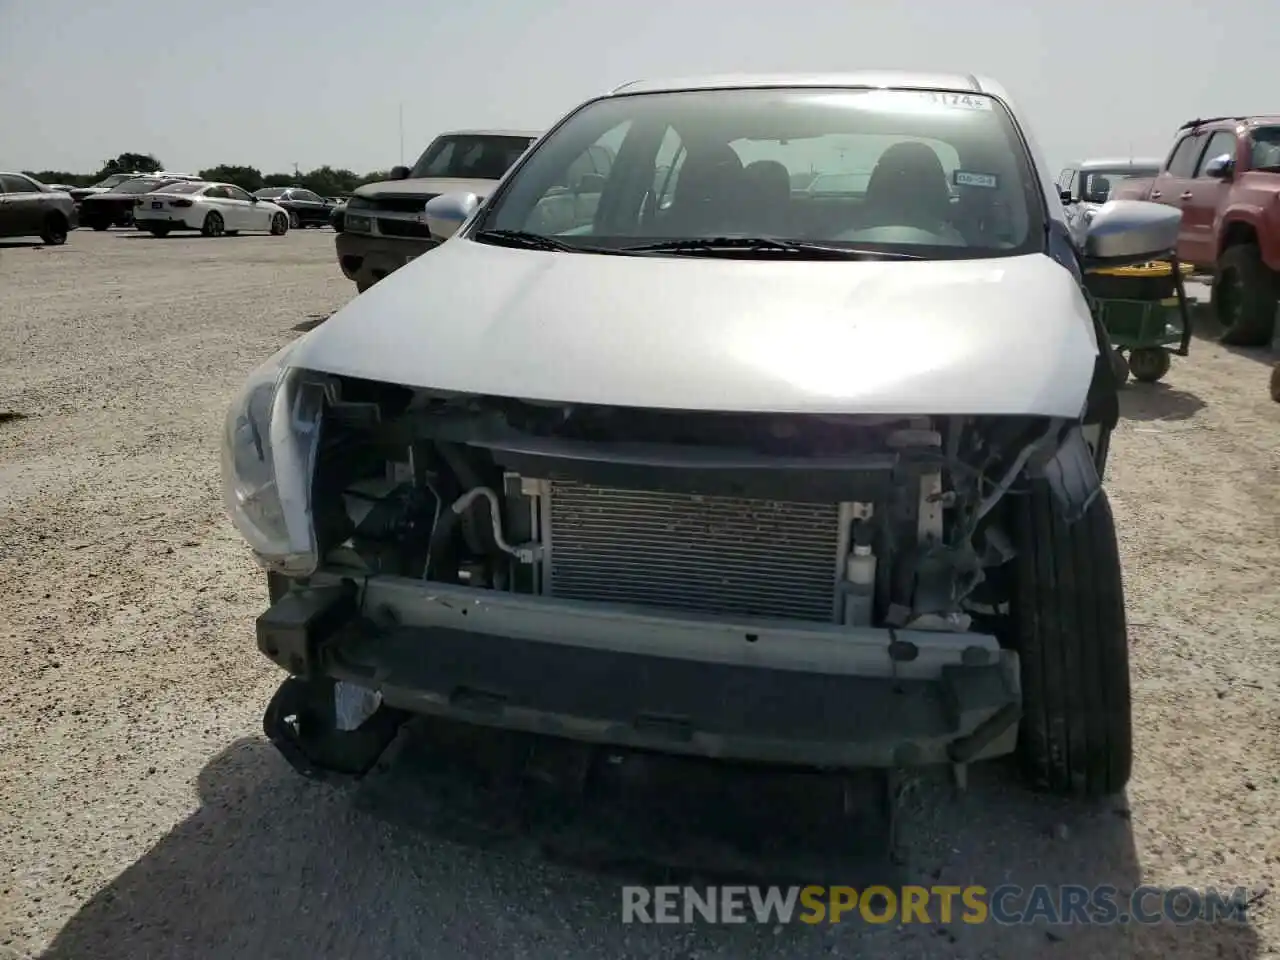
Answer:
[(998, 336)]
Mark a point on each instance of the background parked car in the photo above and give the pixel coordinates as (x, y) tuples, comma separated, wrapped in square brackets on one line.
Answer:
[(104, 185), (382, 227), (214, 209), (114, 208), (305, 209), (30, 209)]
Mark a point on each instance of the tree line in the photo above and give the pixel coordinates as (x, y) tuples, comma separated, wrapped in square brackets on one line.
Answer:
[(326, 181)]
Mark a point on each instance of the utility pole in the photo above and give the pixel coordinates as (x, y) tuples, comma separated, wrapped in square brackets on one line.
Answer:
[(402, 134), (295, 170)]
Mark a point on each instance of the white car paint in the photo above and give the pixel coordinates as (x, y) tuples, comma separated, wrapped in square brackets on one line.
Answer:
[(239, 210), (1009, 335)]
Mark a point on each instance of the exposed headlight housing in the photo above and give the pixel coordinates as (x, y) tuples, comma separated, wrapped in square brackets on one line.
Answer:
[(269, 446), (357, 223)]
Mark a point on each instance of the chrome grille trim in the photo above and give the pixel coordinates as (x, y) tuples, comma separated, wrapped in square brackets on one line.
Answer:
[(723, 555)]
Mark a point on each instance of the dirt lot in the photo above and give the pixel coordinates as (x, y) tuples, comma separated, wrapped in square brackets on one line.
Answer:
[(143, 815)]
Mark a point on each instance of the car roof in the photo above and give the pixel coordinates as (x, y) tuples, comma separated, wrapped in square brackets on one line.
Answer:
[(959, 82), (491, 133), (1120, 163)]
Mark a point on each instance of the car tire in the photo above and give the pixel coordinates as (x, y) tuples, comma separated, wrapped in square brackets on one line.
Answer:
[(213, 225), (1275, 383), (1149, 364), (280, 225), (100, 225), (158, 231), (54, 230), (1069, 630), (1244, 297), (295, 221)]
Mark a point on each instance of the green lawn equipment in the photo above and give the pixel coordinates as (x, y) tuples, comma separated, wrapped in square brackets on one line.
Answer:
[(1144, 310)]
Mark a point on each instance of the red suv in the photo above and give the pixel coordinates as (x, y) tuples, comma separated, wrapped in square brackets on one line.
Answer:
[(1224, 173)]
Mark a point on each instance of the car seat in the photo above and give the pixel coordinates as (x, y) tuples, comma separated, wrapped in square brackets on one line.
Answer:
[(908, 187)]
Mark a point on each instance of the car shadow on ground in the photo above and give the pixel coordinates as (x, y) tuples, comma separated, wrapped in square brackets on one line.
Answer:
[(1158, 401), (1205, 326), (22, 244), (422, 857)]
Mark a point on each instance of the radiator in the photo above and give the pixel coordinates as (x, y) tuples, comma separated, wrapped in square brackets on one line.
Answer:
[(723, 555)]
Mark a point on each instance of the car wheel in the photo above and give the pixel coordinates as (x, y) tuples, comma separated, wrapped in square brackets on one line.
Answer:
[(1244, 297), (213, 225), (54, 231), (1275, 383), (280, 225), (158, 231), (294, 220), (100, 225), (1149, 364), (1069, 630)]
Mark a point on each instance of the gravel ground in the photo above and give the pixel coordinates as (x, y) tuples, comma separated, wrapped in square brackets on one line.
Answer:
[(144, 815)]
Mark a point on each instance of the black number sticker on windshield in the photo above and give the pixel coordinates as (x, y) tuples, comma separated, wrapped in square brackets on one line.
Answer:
[(960, 101), (966, 178)]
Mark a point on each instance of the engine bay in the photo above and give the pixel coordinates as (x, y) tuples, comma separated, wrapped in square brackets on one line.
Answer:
[(855, 520)]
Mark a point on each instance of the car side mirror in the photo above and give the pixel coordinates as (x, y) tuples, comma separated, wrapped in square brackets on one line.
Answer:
[(253, 199), (1124, 232), (1220, 167), (399, 173), (447, 212), (1066, 197)]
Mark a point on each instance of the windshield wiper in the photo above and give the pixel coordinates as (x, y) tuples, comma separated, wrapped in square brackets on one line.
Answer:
[(804, 249), (525, 240)]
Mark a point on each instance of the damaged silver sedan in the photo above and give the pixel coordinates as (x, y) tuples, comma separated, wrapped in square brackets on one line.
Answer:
[(689, 448)]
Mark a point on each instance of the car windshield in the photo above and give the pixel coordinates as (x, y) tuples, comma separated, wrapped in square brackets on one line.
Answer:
[(186, 187), (140, 185), (1098, 184), (1264, 148), (114, 180), (267, 193), (470, 156), (937, 175)]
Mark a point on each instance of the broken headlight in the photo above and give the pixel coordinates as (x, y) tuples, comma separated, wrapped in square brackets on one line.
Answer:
[(268, 458)]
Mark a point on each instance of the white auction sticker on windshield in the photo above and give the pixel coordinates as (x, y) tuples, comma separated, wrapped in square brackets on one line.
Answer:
[(967, 178), (960, 101)]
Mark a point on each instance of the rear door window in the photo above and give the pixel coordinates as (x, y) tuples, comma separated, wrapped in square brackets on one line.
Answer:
[(1182, 161)]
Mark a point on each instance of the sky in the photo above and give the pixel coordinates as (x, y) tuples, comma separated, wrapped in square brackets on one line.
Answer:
[(271, 83)]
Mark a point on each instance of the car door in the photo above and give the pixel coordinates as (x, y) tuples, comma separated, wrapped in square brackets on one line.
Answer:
[(238, 205), (250, 212), (1175, 179), (23, 209), (1201, 199), (310, 207)]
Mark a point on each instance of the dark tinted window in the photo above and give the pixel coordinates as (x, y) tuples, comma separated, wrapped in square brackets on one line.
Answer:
[(14, 183), (1264, 148), (1183, 159), (480, 157), (270, 193), (306, 196), (941, 175), (236, 193), (1224, 141)]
